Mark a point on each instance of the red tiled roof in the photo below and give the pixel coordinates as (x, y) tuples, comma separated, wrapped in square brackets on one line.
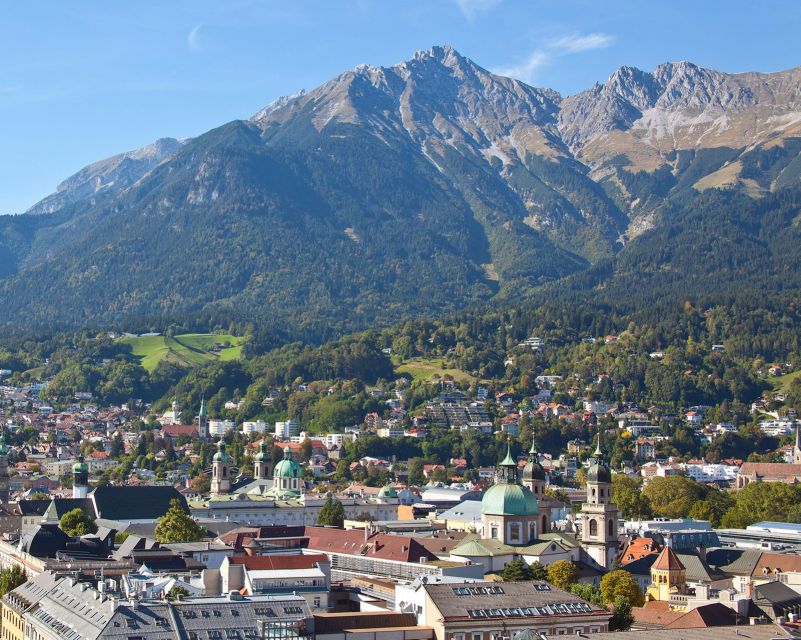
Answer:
[(667, 561), (175, 430), (377, 545)]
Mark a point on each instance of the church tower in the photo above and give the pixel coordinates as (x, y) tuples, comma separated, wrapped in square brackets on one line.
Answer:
[(535, 480), (3, 472), (80, 479), (797, 446), (261, 467), (202, 421), (221, 470), (668, 576), (599, 515)]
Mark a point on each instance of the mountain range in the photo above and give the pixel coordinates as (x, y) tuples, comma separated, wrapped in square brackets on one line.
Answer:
[(420, 189)]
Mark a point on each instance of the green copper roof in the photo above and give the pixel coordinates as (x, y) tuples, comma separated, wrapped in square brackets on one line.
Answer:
[(508, 461), (505, 499), (287, 468), (387, 491), (221, 455), (80, 466), (264, 454)]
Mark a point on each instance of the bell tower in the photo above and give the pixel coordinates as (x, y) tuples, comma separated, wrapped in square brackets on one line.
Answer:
[(221, 470), (599, 515)]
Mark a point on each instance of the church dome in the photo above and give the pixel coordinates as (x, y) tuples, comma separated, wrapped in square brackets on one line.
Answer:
[(599, 472), (287, 468), (533, 471), (221, 455), (506, 499), (80, 466), (387, 491)]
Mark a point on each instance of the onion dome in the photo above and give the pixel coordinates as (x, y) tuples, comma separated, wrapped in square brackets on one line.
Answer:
[(222, 454), (533, 469), (264, 454), (80, 466)]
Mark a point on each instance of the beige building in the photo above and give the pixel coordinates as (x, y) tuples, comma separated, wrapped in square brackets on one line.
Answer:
[(485, 610)]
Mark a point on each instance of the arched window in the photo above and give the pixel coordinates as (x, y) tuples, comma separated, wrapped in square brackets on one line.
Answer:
[(611, 527), (545, 524), (593, 492), (225, 472), (593, 528)]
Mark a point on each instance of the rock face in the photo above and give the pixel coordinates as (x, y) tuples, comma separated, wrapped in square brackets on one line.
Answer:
[(427, 185), (117, 172)]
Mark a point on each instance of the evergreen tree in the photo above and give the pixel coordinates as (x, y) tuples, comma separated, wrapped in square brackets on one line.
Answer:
[(622, 617), (332, 513), (516, 571), (178, 526)]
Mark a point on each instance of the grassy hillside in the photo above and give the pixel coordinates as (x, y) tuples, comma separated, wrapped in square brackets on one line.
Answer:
[(429, 369), (189, 349)]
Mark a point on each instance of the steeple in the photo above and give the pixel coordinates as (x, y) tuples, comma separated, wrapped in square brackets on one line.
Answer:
[(507, 468), (4, 489), (797, 447), (202, 421), (202, 413)]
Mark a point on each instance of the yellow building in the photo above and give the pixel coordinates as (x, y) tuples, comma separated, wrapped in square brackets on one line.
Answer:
[(15, 603), (668, 577)]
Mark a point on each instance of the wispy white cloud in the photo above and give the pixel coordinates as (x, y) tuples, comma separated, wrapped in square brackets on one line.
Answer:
[(471, 8), (193, 40), (526, 70)]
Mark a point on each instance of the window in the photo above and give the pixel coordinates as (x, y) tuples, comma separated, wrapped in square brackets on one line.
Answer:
[(494, 532), (317, 602), (593, 528), (611, 527), (514, 531)]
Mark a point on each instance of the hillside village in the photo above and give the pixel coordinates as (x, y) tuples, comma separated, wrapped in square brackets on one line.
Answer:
[(345, 533)]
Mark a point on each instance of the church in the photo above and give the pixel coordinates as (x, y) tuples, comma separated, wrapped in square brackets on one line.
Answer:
[(278, 496), (516, 520)]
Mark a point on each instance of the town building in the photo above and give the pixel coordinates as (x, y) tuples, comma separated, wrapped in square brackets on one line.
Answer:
[(599, 515)]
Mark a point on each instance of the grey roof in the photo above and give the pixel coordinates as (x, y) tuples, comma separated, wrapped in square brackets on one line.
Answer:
[(29, 593), (755, 632), (135, 503), (132, 543), (519, 599), (464, 511), (59, 506), (45, 541), (738, 562), (75, 611), (778, 596), (33, 507), (205, 618)]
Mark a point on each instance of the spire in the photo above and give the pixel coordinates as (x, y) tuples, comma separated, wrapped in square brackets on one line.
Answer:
[(508, 461), (533, 450), (202, 413), (598, 453)]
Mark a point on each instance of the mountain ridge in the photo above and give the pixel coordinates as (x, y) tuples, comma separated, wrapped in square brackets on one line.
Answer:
[(428, 185)]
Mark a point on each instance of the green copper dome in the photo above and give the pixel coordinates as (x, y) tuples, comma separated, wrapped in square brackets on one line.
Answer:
[(264, 454), (80, 466), (287, 468), (388, 491), (506, 499), (221, 455)]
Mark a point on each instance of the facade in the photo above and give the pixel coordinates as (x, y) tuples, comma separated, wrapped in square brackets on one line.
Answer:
[(668, 577), (486, 610), (599, 515)]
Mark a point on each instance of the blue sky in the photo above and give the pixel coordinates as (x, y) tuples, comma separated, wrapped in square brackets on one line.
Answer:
[(80, 81)]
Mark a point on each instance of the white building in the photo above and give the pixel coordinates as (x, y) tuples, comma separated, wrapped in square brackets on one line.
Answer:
[(778, 427), (250, 427), (711, 472), (285, 430)]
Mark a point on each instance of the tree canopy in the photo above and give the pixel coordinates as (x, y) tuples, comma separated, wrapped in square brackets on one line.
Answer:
[(178, 526), (77, 523)]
